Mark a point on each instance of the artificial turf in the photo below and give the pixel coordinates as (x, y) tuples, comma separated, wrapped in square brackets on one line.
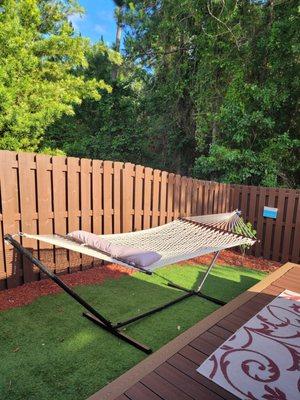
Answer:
[(48, 351)]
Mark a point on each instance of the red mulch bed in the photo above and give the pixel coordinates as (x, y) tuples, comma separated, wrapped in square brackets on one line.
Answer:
[(27, 293)]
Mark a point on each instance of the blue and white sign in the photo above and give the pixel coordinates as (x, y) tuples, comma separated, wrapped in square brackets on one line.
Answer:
[(270, 212)]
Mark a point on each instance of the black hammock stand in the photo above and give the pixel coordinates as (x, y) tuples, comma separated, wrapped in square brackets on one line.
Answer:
[(93, 315)]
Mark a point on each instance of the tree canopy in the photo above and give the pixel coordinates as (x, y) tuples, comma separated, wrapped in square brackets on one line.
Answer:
[(42, 66), (208, 88)]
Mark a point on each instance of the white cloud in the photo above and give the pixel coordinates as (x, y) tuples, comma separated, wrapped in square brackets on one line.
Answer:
[(105, 15), (100, 28), (75, 20)]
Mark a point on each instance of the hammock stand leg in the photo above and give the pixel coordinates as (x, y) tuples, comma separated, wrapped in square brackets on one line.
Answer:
[(153, 310), (201, 284), (92, 313)]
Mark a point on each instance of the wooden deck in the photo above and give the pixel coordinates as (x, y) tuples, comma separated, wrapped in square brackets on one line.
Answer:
[(170, 373)]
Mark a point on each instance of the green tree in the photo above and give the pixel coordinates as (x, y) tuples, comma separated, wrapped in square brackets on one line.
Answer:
[(222, 89), (106, 129), (42, 66)]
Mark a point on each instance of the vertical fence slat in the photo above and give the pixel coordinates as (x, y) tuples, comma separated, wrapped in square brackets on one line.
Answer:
[(9, 209), (194, 197), (107, 196), (163, 198), (44, 203), (97, 196), (155, 211), (28, 208), (177, 196), (296, 244), (138, 197), (85, 204), (170, 195), (127, 192), (215, 198), (288, 226), (183, 196), (73, 186), (200, 197), (243, 206), (260, 222), (252, 201), (147, 197), (3, 276), (279, 225), (60, 207), (269, 225), (117, 199), (189, 194)]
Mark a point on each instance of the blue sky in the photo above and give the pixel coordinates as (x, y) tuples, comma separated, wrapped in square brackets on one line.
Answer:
[(98, 20)]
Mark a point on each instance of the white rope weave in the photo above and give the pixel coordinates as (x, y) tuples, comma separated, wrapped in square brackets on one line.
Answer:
[(175, 241)]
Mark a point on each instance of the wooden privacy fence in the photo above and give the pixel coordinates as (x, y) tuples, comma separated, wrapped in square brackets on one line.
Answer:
[(44, 194)]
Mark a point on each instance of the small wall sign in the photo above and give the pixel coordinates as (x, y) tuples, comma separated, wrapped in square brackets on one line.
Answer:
[(270, 212)]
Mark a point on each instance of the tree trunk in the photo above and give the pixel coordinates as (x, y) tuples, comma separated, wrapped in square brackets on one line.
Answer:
[(114, 74)]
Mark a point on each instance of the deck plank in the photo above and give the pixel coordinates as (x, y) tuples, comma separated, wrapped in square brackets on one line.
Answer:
[(189, 368), (139, 391), (170, 373), (185, 383), (163, 388)]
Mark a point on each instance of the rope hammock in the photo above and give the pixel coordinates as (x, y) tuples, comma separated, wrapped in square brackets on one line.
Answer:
[(175, 241)]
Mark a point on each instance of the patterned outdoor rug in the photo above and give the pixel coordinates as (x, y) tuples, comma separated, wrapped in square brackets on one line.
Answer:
[(262, 359)]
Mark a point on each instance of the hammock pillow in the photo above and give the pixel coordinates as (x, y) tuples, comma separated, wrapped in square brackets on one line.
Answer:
[(130, 255)]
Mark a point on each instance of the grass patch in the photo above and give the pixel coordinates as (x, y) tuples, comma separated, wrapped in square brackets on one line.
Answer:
[(48, 351)]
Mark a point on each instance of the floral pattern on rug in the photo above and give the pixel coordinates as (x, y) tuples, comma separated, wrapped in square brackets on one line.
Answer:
[(261, 361)]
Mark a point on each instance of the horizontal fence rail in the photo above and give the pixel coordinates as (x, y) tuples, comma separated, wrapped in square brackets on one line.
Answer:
[(41, 194)]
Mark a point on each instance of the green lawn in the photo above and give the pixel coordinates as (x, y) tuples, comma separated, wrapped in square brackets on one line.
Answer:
[(48, 351)]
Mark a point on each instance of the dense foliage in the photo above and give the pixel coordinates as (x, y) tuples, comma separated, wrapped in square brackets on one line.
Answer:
[(203, 87), (41, 70), (224, 86)]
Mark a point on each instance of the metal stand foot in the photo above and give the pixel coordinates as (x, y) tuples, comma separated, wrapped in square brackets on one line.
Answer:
[(117, 333), (212, 299)]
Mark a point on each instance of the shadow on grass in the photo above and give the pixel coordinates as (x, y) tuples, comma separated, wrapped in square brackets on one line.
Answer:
[(49, 351)]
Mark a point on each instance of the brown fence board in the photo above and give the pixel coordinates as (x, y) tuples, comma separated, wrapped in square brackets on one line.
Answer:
[(138, 197), (107, 196), (260, 222), (44, 194), (296, 245), (288, 226), (60, 208), (155, 197), (85, 204), (163, 198), (3, 276), (183, 196), (117, 197), (147, 197), (170, 197), (27, 178), (9, 209), (97, 196), (189, 194), (44, 206), (177, 196), (73, 185), (269, 224), (279, 225), (127, 194)]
